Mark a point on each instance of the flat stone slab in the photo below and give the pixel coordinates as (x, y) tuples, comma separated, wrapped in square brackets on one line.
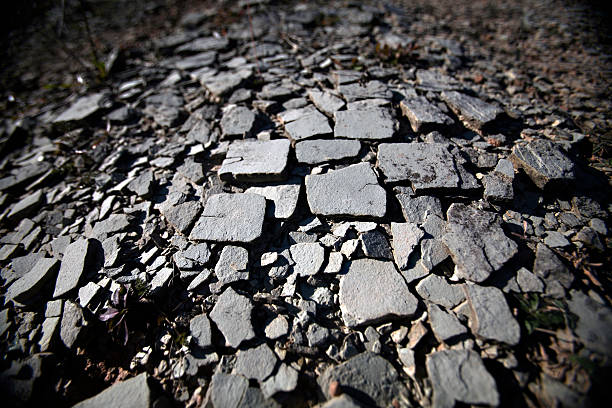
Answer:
[(323, 151), (257, 363), (460, 376), (325, 101), (370, 90), (474, 112), (308, 258), (309, 125), (421, 113), (226, 391), (81, 109), (369, 124), (594, 322), (74, 264), (476, 242), (427, 166), (545, 163), (232, 315), (231, 218), (255, 161), (417, 209), (182, 216), (132, 393), (353, 190), (406, 237), (366, 277), (437, 290), (367, 377), (200, 330), (445, 325), (283, 196), (232, 265), (32, 282), (491, 316), (237, 121)]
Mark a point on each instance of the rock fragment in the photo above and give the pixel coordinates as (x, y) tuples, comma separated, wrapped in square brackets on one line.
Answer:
[(308, 257), (226, 391), (325, 101), (256, 363), (182, 216), (307, 126), (285, 380), (76, 260), (437, 290), (545, 163), (283, 196), (594, 322), (237, 121), (367, 276), (552, 271), (199, 327), (491, 316), (370, 124), (81, 109), (375, 245), (444, 324), (353, 190), (423, 114), (32, 282), (323, 151), (232, 315), (406, 237), (476, 242), (255, 161), (474, 112), (460, 376), (231, 218), (132, 393), (71, 324), (232, 265)]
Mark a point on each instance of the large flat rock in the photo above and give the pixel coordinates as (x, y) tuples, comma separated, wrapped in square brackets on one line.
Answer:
[(366, 277), (427, 166), (232, 315), (423, 114), (476, 242), (474, 112), (353, 190), (545, 163), (312, 124), (132, 393), (255, 160), (323, 151), (372, 124), (231, 218)]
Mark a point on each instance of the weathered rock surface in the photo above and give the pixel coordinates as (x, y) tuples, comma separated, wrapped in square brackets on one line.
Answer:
[(353, 190), (81, 109), (367, 276), (256, 363), (255, 161), (32, 282), (406, 237), (284, 198), (474, 112), (199, 327), (545, 163), (323, 151), (76, 259), (232, 265), (132, 393), (421, 113), (370, 124), (232, 315), (310, 125), (476, 242), (231, 218)]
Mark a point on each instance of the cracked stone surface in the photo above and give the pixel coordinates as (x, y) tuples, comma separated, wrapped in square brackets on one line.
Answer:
[(364, 124), (255, 161), (353, 190), (232, 315), (322, 151), (473, 111), (545, 163), (423, 113)]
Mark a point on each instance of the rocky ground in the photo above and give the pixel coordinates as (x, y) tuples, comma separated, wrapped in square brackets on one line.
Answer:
[(331, 204)]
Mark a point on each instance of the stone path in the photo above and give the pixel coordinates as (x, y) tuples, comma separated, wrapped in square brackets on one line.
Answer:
[(281, 213)]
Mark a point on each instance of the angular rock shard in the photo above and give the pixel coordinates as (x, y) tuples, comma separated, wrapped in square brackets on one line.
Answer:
[(231, 218), (368, 276), (545, 163), (371, 124), (232, 315), (475, 113), (353, 190), (132, 393), (423, 114)]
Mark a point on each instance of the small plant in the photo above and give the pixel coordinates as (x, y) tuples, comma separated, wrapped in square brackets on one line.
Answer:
[(543, 314), (117, 313)]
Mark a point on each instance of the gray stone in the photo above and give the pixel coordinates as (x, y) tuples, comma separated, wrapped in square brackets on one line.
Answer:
[(81, 109), (367, 377), (433, 80), (323, 151), (113, 224), (233, 265), (204, 44), (283, 196), (309, 125), (437, 290), (277, 328), (132, 393), (142, 185), (460, 376), (232, 315), (325, 101), (285, 380), (406, 237), (308, 257), (555, 239), (192, 170), (26, 205), (72, 323), (444, 325), (491, 317), (498, 188), (200, 330), (160, 281), (54, 308), (594, 322), (199, 279), (87, 293), (353, 190), (370, 90), (548, 267), (341, 401), (231, 217), (433, 253), (256, 363), (237, 121), (181, 216), (426, 165), (375, 245), (112, 250), (529, 282), (254, 398), (255, 161), (421, 113), (200, 60), (292, 115), (334, 262), (49, 331), (474, 112), (165, 108), (32, 282), (226, 391), (545, 163), (76, 260), (223, 83), (317, 335), (504, 167), (476, 242), (371, 124), (198, 253), (368, 276)]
